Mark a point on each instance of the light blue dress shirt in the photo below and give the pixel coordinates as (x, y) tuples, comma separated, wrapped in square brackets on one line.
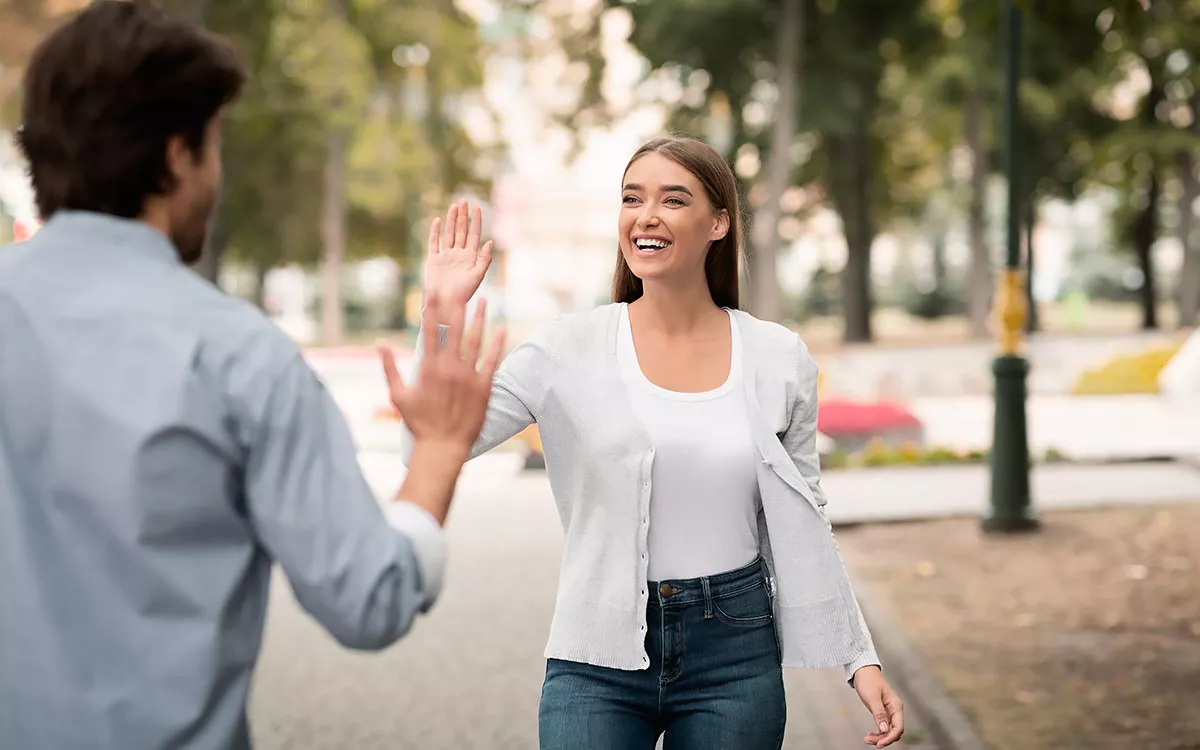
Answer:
[(161, 445)]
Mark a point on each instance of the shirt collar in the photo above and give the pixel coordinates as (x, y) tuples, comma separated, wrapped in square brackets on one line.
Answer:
[(95, 230)]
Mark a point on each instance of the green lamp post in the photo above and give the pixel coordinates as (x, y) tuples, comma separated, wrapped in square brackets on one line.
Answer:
[(1011, 509)]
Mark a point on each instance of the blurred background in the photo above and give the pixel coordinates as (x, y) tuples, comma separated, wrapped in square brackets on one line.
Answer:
[(875, 140)]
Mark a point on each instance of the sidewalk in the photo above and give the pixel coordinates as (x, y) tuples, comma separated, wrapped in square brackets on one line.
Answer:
[(1093, 428), (919, 492)]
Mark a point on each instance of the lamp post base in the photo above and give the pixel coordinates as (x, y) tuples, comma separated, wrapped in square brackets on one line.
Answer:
[(1011, 509)]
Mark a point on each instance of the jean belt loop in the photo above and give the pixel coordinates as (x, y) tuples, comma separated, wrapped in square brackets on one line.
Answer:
[(708, 601)]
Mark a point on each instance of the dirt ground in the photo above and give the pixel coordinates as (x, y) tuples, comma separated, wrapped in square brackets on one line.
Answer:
[(1085, 634)]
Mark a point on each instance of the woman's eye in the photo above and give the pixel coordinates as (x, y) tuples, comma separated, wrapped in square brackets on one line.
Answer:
[(628, 199), (674, 202)]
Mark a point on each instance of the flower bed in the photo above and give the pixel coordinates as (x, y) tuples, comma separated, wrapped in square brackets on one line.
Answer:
[(879, 453), (1127, 373), (852, 425)]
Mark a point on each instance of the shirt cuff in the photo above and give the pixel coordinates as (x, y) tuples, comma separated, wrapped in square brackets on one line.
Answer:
[(428, 541), (867, 658)]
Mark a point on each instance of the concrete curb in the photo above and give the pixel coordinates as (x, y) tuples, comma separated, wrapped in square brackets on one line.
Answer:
[(908, 673)]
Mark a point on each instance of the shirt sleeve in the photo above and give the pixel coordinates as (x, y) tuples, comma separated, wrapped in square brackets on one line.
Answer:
[(428, 540), (363, 575), (800, 440)]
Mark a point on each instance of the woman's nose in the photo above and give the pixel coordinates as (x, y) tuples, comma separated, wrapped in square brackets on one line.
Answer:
[(648, 217)]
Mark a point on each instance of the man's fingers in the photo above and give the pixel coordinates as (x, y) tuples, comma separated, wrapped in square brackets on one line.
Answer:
[(462, 225), (435, 235), (491, 359), (388, 358), (475, 229), (474, 336)]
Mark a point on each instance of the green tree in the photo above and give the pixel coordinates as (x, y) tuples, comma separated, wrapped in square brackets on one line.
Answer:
[(341, 142), (727, 48)]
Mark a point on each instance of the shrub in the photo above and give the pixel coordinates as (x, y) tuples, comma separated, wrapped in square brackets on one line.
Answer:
[(1127, 373)]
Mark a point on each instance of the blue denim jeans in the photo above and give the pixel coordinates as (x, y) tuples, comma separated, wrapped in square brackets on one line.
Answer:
[(715, 679)]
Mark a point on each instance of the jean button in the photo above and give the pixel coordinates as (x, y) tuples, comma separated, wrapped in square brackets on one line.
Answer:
[(665, 590)]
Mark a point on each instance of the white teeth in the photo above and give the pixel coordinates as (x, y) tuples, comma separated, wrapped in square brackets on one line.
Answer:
[(651, 244)]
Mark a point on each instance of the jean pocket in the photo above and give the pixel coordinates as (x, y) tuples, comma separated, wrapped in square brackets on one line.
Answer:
[(748, 607)]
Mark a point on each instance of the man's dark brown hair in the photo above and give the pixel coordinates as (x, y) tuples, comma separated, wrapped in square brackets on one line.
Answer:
[(105, 92)]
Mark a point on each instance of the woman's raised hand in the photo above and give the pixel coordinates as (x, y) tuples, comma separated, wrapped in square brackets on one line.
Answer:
[(455, 263)]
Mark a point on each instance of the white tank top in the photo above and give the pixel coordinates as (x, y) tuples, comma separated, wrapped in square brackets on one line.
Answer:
[(704, 498)]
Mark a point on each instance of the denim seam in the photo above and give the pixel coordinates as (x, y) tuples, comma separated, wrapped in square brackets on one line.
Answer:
[(738, 591)]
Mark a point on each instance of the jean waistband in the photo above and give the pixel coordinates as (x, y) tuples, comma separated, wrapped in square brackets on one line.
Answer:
[(692, 590)]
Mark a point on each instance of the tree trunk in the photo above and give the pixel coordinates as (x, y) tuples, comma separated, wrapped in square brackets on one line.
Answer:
[(979, 289), (1189, 232), (209, 264), (852, 197), (1032, 324), (1145, 232), (260, 286), (764, 285), (938, 258), (1145, 224), (333, 231)]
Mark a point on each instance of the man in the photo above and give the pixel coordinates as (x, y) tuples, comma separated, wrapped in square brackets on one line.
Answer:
[(161, 444)]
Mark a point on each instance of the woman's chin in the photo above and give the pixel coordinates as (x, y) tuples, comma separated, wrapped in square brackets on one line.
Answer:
[(647, 268)]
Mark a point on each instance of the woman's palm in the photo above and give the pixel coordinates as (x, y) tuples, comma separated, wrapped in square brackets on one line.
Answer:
[(455, 264)]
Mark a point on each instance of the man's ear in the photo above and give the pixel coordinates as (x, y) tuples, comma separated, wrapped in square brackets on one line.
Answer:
[(180, 159)]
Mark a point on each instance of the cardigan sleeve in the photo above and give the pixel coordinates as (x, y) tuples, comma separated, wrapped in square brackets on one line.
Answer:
[(800, 441), (517, 391)]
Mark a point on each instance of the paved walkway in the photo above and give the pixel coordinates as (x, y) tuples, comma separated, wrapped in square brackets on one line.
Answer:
[(1083, 427), (469, 676), (965, 368), (909, 493)]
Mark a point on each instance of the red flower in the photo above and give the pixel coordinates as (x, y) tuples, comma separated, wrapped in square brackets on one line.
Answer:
[(838, 417)]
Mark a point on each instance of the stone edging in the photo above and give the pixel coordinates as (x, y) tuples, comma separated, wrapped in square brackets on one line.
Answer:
[(913, 679)]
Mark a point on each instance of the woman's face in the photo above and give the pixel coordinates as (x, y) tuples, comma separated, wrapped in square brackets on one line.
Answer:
[(667, 222)]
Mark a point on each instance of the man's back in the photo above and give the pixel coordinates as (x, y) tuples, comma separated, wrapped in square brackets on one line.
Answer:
[(161, 445), (125, 382)]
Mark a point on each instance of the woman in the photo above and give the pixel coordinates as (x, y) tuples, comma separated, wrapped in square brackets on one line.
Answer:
[(679, 437)]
